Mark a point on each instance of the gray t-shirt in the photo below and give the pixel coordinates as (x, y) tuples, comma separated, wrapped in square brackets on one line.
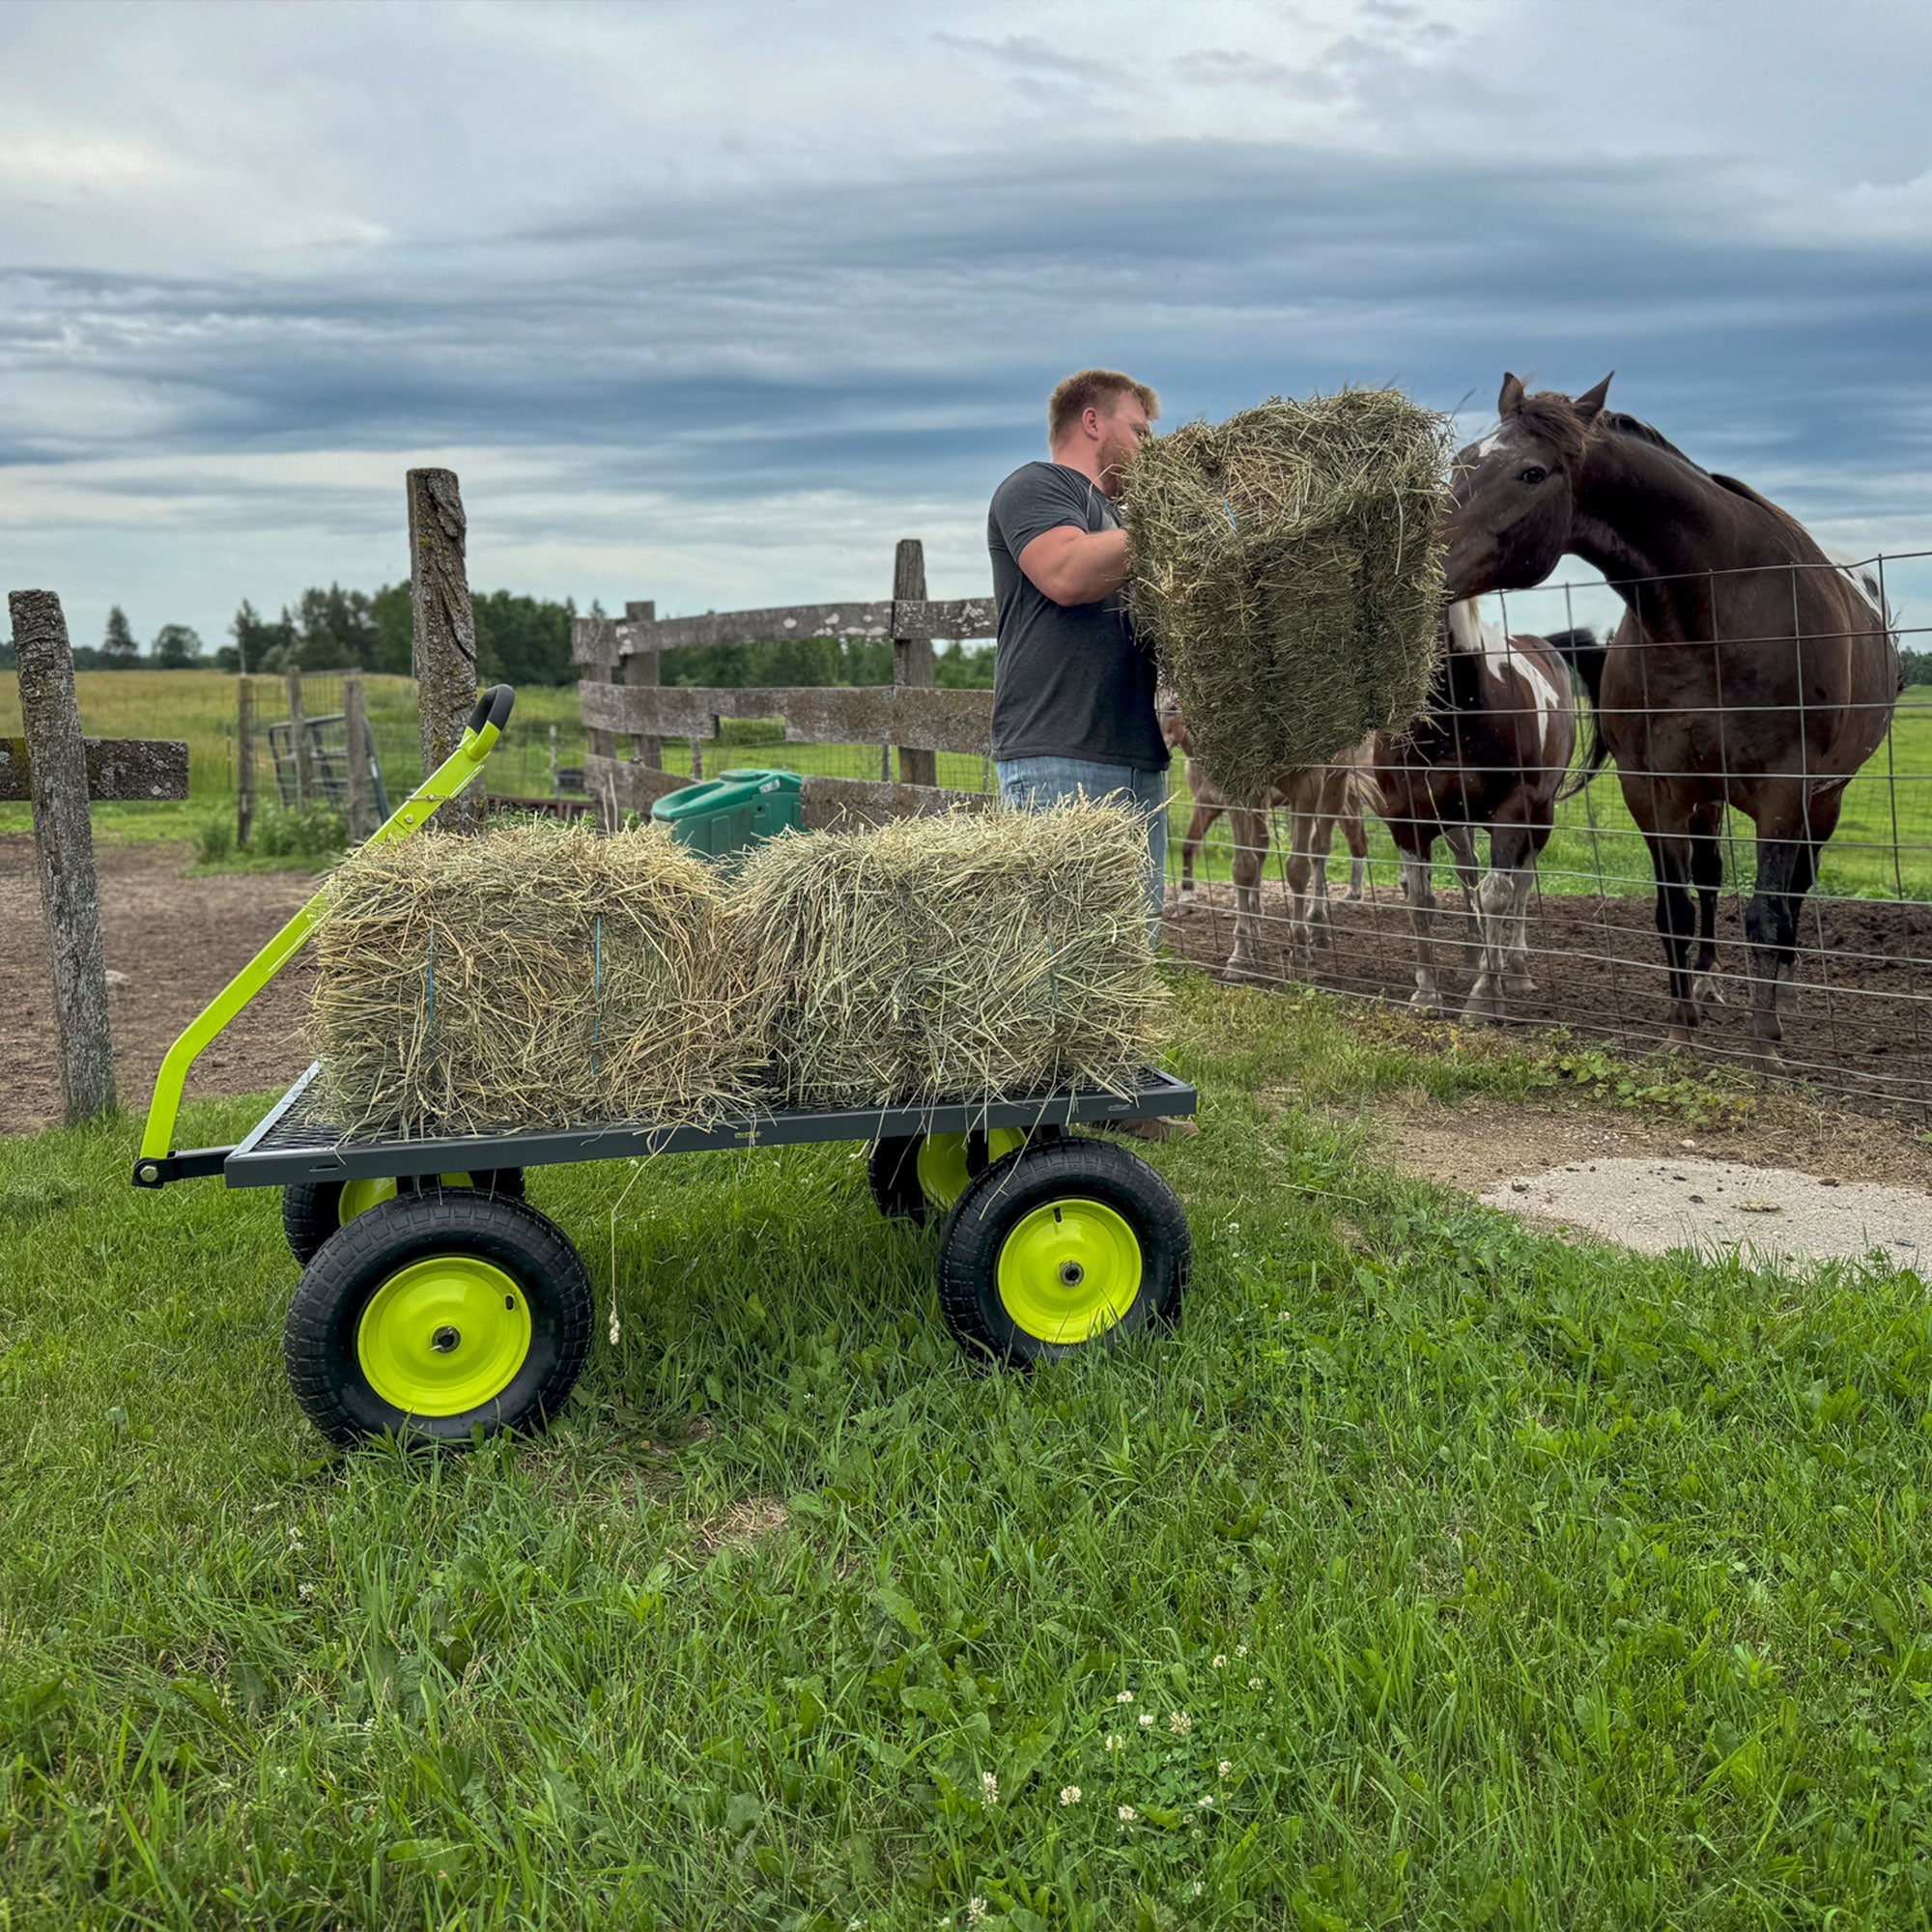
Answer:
[(1068, 680)]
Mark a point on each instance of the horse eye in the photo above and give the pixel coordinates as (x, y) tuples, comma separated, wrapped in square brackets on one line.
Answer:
[(1533, 475)]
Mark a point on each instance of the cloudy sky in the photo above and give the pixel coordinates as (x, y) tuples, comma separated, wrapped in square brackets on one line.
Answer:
[(712, 302)]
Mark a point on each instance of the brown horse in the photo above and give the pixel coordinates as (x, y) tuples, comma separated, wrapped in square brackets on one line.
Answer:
[(1749, 669), (1490, 753), (1319, 801)]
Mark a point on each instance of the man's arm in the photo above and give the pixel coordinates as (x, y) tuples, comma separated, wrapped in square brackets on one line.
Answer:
[(1075, 567)]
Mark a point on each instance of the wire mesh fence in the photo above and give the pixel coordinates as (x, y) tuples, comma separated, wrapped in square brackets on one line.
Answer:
[(1748, 873)]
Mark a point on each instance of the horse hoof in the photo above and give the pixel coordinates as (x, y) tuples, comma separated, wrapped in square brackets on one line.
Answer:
[(1484, 1007), (1519, 982), (1244, 972), (1707, 990), (1425, 1003)]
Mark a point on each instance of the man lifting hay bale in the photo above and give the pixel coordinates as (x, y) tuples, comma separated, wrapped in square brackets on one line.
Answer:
[(1073, 713)]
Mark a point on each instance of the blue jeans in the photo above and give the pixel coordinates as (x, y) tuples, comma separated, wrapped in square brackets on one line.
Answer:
[(1033, 784)]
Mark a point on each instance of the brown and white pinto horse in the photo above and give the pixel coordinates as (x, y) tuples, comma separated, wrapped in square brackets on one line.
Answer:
[(1317, 801), (1491, 754), (1748, 670)]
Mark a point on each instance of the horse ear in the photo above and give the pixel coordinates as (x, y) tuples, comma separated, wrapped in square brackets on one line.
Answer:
[(1590, 404), (1511, 399)]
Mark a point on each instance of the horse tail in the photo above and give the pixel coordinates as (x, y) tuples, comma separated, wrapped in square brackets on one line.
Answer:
[(1585, 657)]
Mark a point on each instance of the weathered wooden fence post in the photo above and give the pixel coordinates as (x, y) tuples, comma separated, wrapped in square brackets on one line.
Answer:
[(356, 753), (912, 657), (63, 851), (643, 667), (245, 760), (444, 651), (300, 762)]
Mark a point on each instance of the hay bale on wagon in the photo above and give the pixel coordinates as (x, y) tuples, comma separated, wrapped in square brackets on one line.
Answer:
[(951, 958), (532, 976), (1287, 566)]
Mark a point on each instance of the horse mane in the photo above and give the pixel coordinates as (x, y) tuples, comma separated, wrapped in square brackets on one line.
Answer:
[(1619, 424)]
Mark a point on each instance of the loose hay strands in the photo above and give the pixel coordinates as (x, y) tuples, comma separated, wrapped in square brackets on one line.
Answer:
[(952, 957), (1288, 564), (537, 975)]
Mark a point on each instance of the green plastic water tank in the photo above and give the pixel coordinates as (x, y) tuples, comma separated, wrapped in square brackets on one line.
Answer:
[(735, 810)]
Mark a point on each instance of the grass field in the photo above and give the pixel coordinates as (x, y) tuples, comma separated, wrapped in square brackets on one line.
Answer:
[(1468, 1577), (1883, 849)]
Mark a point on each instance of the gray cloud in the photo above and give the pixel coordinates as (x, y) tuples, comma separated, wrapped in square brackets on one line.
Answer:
[(656, 354)]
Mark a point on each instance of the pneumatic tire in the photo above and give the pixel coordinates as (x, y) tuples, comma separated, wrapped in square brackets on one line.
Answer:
[(436, 1315), (920, 1178), (313, 1209), (1074, 1245)]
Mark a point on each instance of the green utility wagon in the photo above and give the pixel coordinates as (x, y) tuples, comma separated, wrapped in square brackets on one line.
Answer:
[(435, 1302)]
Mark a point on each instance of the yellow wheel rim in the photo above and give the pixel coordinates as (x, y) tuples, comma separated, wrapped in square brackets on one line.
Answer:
[(359, 1196), (1069, 1271), (940, 1162), (443, 1336)]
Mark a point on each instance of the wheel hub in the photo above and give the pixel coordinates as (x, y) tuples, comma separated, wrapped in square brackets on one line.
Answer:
[(445, 1335), (1069, 1271)]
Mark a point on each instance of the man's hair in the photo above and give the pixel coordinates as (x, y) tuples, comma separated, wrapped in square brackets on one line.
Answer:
[(1092, 389)]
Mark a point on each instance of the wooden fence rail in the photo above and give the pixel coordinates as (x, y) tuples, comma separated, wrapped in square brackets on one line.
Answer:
[(622, 697), (604, 640)]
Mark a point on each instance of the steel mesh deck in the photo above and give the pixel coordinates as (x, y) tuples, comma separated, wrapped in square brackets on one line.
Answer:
[(296, 1142)]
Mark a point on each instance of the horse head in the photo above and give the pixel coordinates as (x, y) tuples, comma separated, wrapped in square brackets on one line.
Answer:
[(1515, 491), (1174, 731)]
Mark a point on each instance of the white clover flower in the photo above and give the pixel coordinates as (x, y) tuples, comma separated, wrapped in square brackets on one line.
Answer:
[(1146, 1720), (1069, 1794), (1123, 1697), (1115, 1742), (990, 1788), (976, 1910), (1180, 1723), (1225, 1768), (1195, 1889), (1126, 1815), (1205, 1803), (1240, 1650), (1254, 1682), (1220, 1663)]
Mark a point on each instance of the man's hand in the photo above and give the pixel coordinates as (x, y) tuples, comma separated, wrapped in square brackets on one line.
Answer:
[(1075, 567)]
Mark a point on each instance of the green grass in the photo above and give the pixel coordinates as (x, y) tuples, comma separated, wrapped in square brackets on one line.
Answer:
[(1514, 1582)]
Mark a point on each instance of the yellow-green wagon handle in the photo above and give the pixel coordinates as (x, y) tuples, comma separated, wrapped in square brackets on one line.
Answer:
[(450, 778)]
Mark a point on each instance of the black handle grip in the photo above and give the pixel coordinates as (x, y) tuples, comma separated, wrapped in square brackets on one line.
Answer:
[(492, 707)]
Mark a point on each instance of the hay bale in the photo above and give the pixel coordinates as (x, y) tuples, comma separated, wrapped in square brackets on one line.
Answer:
[(537, 975), (951, 958), (1287, 566)]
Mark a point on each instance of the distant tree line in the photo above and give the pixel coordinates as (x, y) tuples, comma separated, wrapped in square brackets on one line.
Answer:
[(520, 641)]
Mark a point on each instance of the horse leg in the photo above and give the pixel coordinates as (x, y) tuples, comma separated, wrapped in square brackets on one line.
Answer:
[(1461, 841), (1301, 873), (1355, 830), (1417, 847), (1504, 890), (1197, 824), (1515, 972), (1707, 875), (1785, 870), (1676, 927), (1251, 843)]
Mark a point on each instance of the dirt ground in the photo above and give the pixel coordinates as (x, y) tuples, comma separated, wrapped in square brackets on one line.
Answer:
[(174, 942), (1480, 1142), (1857, 1018)]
